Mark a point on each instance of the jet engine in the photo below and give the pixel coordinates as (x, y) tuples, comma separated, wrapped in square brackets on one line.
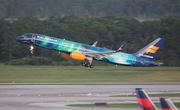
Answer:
[(65, 55), (77, 56)]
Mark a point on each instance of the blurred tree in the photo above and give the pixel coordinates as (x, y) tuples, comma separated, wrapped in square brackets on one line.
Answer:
[(4, 25), (170, 31), (9, 45), (110, 31)]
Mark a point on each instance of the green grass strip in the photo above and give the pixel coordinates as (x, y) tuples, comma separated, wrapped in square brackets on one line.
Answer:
[(55, 74)]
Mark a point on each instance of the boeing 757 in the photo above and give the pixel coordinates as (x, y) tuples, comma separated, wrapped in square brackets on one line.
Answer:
[(88, 53)]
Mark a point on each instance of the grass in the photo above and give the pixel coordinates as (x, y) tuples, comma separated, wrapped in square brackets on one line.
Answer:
[(50, 74), (165, 95), (119, 105)]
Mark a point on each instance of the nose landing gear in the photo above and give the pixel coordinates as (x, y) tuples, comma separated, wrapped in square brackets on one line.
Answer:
[(31, 48)]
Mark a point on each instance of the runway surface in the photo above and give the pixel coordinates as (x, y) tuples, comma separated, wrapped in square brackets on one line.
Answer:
[(55, 97)]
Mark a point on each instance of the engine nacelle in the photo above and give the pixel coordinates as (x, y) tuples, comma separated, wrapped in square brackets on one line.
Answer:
[(65, 55), (77, 56)]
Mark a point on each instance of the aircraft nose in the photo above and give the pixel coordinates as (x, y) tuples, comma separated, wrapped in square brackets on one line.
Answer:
[(17, 38), (20, 38)]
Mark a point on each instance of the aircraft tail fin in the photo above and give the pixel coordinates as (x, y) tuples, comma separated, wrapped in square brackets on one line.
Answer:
[(151, 49), (144, 102), (167, 104)]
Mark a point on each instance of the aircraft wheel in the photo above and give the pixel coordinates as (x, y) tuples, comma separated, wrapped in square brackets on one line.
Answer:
[(91, 66), (87, 65), (83, 64)]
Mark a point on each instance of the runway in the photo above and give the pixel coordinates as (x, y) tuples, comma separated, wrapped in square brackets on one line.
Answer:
[(58, 96)]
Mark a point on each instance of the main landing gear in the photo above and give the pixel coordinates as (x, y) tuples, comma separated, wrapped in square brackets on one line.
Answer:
[(88, 63)]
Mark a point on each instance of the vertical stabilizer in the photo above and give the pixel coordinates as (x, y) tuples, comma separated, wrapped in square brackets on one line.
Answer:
[(151, 50), (167, 104), (144, 102)]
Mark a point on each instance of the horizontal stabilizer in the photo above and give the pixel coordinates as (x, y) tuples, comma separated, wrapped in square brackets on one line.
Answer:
[(152, 62)]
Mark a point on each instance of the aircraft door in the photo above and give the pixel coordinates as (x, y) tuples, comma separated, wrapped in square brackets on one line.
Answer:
[(33, 38), (134, 60)]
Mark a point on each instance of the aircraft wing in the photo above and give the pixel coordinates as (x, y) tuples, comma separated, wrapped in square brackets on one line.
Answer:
[(98, 55)]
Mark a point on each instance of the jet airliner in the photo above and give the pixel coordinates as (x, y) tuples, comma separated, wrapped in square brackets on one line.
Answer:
[(167, 104), (88, 53), (145, 103)]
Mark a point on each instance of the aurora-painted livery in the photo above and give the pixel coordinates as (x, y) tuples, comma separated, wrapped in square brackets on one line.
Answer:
[(87, 53)]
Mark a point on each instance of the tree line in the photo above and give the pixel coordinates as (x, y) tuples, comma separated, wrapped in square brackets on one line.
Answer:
[(89, 8), (109, 31)]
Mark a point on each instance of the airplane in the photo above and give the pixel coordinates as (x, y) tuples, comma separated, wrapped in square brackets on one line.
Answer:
[(88, 53), (144, 102), (167, 104)]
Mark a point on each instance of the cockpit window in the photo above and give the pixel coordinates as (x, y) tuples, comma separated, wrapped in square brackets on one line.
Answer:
[(25, 37)]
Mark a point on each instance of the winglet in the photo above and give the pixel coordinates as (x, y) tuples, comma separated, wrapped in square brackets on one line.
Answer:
[(167, 104), (144, 102), (120, 48), (95, 43)]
